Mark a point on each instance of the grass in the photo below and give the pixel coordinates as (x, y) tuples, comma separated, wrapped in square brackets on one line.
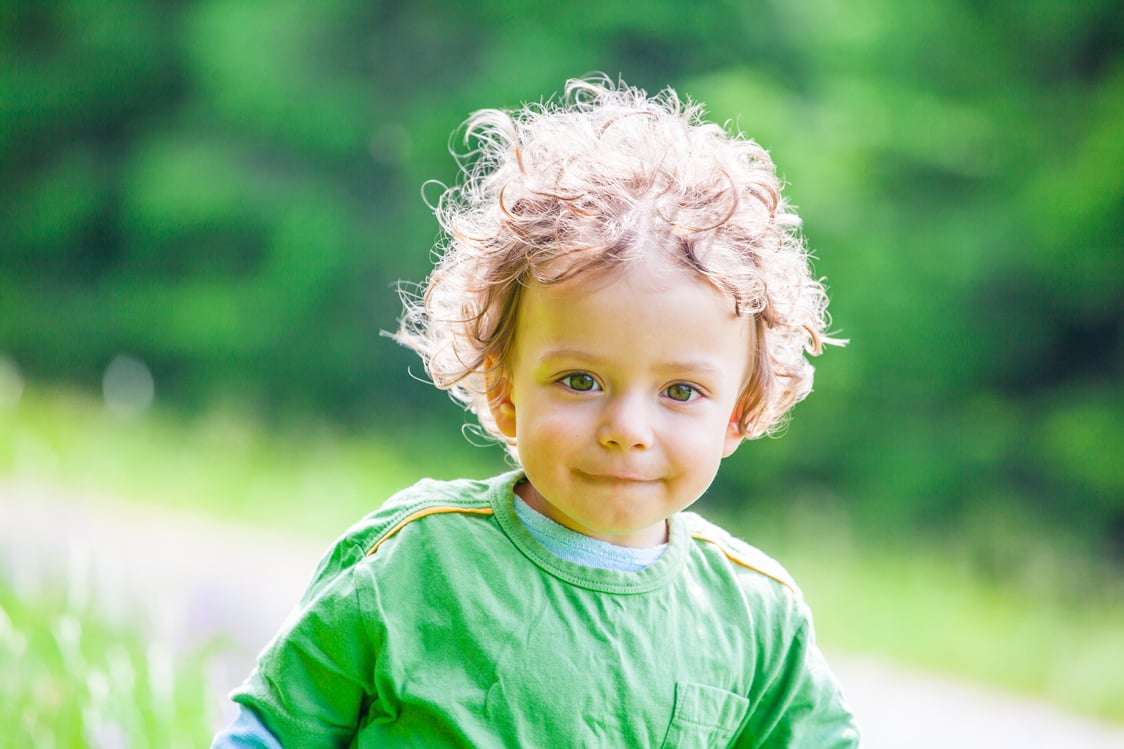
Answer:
[(69, 679), (1055, 630), (935, 613), (307, 476)]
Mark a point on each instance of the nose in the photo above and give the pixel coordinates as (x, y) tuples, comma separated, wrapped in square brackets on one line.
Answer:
[(626, 423)]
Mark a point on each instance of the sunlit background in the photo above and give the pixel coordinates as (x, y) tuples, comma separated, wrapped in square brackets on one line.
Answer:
[(206, 206)]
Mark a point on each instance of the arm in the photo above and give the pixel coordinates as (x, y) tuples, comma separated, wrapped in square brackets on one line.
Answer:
[(801, 704), (315, 679), (246, 732)]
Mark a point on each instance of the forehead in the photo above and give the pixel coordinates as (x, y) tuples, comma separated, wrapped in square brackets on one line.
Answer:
[(639, 310), (650, 280)]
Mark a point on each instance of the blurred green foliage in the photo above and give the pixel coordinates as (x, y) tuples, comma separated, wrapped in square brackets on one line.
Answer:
[(229, 190)]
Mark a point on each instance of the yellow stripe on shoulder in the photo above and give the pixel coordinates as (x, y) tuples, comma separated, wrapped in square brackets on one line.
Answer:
[(425, 513), (751, 559)]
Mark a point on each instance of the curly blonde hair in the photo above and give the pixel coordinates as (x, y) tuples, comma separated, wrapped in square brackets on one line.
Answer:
[(591, 181)]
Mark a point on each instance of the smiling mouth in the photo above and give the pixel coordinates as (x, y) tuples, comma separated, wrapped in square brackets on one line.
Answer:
[(618, 478)]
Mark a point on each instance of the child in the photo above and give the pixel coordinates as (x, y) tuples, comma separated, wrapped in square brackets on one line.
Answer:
[(622, 299)]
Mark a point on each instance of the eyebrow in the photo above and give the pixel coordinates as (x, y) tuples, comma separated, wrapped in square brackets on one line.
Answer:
[(689, 365), (570, 353)]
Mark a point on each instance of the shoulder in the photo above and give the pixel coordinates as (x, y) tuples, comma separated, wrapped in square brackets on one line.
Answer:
[(753, 566), (756, 588), (465, 498), (461, 497)]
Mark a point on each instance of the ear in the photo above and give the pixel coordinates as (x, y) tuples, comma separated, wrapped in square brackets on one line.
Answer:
[(500, 402), (733, 437)]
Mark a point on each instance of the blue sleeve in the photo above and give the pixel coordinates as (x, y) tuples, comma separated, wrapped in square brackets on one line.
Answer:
[(246, 732)]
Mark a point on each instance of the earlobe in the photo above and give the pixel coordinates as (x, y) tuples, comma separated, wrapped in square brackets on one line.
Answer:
[(500, 403), (503, 413)]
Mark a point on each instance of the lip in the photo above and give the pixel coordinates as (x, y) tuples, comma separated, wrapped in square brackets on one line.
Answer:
[(623, 478)]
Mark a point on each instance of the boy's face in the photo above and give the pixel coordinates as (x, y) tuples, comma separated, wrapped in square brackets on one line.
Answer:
[(621, 395)]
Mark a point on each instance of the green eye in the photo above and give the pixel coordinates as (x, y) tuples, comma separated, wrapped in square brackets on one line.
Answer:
[(580, 382), (680, 392)]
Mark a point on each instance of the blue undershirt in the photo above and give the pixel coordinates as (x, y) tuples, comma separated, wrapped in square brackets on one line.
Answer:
[(575, 547)]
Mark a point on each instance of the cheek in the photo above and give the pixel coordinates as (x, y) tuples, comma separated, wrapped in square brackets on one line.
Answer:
[(546, 423), (559, 428), (705, 445)]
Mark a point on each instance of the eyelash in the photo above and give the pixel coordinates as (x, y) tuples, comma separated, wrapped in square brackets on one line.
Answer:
[(567, 381)]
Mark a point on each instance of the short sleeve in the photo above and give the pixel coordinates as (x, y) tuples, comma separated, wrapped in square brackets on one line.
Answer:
[(801, 704), (315, 679)]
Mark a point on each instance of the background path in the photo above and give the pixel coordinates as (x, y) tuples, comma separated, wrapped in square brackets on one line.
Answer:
[(198, 578)]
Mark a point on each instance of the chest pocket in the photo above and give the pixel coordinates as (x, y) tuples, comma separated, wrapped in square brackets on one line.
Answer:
[(704, 717)]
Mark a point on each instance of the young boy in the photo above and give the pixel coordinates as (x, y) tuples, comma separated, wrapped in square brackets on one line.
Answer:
[(622, 299)]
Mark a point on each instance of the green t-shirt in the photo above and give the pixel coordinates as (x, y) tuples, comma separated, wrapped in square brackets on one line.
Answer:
[(438, 621)]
